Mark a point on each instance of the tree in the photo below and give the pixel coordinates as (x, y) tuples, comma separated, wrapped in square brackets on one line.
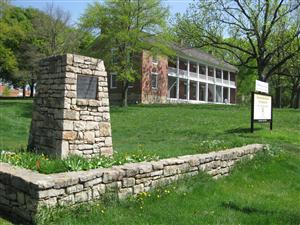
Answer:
[(126, 28), (13, 24), (225, 24), (55, 33)]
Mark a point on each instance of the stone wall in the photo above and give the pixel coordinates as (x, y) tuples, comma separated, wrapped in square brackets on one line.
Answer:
[(23, 192), (63, 123)]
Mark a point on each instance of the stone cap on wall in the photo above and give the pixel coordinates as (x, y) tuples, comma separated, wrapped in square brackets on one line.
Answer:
[(23, 177)]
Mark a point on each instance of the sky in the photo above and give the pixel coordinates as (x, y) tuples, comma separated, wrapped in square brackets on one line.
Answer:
[(77, 7)]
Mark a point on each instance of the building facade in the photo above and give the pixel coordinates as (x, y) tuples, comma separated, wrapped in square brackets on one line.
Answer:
[(192, 76)]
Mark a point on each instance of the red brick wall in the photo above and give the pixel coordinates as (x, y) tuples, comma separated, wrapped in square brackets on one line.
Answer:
[(149, 94), (12, 92)]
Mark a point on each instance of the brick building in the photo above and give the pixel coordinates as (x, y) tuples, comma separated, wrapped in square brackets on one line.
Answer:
[(193, 76)]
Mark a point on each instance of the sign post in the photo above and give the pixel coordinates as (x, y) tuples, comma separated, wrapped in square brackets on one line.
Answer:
[(261, 105), (261, 109)]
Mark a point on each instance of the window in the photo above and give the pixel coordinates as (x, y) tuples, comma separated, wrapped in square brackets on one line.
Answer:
[(193, 67), (211, 91), (154, 77), (219, 94), (218, 74), (182, 65), (225, 75), (113, 80), (210, 71), (225, 95), (202, 91), (202, 69)]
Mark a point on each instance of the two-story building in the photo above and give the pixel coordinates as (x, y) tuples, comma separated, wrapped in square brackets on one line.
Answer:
[(193, 76)]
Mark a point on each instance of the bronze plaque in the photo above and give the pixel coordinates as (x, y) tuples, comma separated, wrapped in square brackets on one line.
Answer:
[(87, 87)]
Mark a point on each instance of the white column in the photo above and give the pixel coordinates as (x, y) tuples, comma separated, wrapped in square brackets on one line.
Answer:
[(215, 88), (198, 71), (222, 89), (188, 90), (197, 91), (177, 83), (206, 92), (188, 81), (206, 85), (228, 94)]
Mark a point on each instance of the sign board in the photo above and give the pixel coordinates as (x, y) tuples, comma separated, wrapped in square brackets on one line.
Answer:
[(87, 87), (261, 86), (261, 109)]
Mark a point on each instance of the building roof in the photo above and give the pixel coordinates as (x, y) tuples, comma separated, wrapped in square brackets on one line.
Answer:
[(202, 57)]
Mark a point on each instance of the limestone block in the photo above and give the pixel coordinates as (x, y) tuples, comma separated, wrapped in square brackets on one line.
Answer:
[(92, 126), (128, 182), (110, 175), (89, 137), (74, 189), (124, 193), (113, 187), (79, 125), (69, 135), (67, 125), (108, 141), (170, 170), (50, 202), (50, 193), (71, 115), (138, 188), (78, 59), (68, 200), (93, 182), (81, 196), (105, 129)]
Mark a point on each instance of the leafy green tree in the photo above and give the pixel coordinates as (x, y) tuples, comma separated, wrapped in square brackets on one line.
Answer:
[(224, 24), (13, 24), (124, 29)]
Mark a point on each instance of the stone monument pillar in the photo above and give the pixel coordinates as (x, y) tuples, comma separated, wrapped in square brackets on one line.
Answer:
[(71, 108)]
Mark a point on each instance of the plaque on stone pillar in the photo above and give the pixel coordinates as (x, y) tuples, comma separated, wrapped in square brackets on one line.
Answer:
[(87, 87), (71, 108)]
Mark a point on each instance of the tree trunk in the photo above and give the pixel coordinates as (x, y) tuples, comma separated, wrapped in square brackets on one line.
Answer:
[(293, 96), (125, 94), (297, 102), (278, 97), (24, 91), (31, 88)]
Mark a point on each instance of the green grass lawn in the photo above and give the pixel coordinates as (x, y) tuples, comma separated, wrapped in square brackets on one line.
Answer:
[(167, 130), (262, 191)]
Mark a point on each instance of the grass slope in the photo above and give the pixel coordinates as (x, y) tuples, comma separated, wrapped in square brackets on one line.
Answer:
[(263, 191), (167, 130)]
